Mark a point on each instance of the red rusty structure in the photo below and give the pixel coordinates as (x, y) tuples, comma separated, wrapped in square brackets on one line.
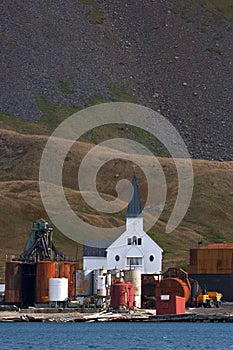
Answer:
[(169, 305), (122, 295), (176, 282), (27, 278)]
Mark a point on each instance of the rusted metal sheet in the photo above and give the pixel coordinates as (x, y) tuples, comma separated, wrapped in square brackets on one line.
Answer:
[(13, 282), (193, 256), (222, 283)]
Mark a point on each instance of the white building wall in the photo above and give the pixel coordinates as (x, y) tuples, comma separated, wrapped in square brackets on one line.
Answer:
[(91, 263), (119, 250)]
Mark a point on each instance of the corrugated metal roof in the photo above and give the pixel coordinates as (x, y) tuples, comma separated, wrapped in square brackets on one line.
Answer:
[(218, 246), (96, 247)]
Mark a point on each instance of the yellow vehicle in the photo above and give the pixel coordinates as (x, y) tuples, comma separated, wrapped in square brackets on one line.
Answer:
[(209, 299)]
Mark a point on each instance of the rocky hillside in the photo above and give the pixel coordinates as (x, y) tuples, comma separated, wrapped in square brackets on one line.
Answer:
[(209, 218), (174, 56)]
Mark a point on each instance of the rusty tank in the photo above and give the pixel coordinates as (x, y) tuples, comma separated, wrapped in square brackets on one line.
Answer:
[(44, 271), (13, 281)]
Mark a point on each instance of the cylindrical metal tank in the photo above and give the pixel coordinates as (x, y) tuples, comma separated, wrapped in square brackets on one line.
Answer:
[(58, 289), (131, 300), (83, 283), (101, 289), (115, 275), (173, 286), (67, 269), (122, 295), (134, 276), (13, 282), (109, 279), (44, 271), (96, 280)]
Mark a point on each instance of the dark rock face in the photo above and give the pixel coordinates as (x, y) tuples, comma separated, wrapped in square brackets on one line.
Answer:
[(177, 66)]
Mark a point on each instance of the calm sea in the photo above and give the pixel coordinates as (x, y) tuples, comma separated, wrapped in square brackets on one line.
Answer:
[(103, 335)]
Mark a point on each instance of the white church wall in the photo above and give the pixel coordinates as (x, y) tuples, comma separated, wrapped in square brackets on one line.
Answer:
[(91, 263)]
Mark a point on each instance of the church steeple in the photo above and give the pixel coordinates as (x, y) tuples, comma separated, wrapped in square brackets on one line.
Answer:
[(134, 206)]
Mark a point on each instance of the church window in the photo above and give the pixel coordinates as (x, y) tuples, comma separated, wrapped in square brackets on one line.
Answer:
[(151, 258), (117, 258), (134, 240), (134, 261), (139, 241), (129, 241)]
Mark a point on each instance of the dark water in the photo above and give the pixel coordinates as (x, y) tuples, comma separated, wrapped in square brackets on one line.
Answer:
[(103, 335)]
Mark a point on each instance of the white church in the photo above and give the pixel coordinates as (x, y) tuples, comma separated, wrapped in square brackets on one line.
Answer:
[(134, 249)]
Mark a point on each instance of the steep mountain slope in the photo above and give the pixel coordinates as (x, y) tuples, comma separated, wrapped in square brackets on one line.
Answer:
[(173, 56)]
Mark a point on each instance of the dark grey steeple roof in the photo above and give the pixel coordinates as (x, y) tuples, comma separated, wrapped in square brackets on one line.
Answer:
[(134, 206)]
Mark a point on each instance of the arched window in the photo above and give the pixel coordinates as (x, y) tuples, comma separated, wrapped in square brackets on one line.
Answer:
[(134, 240)]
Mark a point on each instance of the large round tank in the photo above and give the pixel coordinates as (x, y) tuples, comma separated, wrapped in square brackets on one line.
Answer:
[(13, 282), (68, 270), (173, 286), (134, 276), (122, 295), (58, 289), (44, 271)]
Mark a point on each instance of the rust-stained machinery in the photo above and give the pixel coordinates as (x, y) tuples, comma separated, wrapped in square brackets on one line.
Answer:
[(176, 282), (27, 277)]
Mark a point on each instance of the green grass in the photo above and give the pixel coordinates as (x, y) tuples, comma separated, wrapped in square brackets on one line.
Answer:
[(221, 8), (65, 88), (53, 115), (96, 14)]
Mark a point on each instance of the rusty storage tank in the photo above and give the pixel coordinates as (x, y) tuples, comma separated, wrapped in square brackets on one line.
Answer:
[(13, 282), (212, 259), (67, 269), (121, 295), (134, 276), (44, 271), (173, 286)]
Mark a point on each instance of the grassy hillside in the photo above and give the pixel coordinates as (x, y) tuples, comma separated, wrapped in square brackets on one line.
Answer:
[(209, 218)]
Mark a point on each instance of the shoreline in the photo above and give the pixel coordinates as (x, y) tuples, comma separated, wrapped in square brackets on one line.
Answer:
[(73, 315)]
